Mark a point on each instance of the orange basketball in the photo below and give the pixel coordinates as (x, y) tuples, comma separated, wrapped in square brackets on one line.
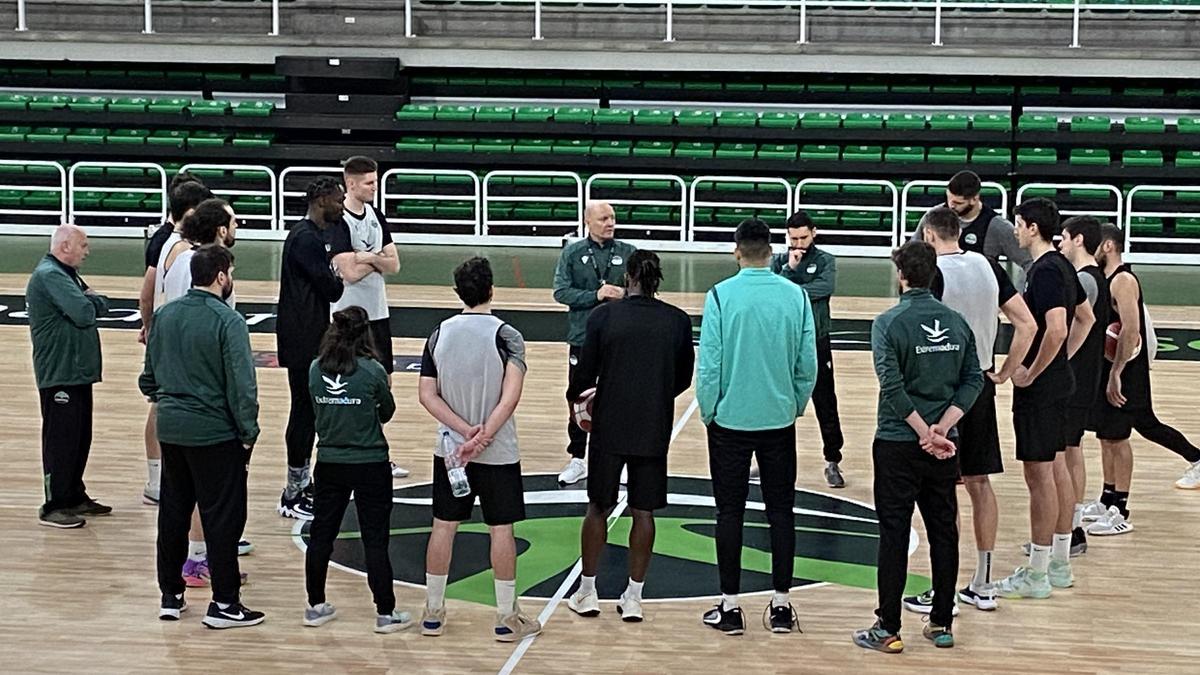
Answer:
[(1111, 335), (581, 410)]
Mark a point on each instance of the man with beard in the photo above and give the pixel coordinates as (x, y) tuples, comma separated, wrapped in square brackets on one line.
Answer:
[(983, 230)]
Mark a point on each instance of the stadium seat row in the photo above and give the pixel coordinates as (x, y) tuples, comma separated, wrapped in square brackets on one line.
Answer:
[(80, 75), (175, 105), (167, 138)]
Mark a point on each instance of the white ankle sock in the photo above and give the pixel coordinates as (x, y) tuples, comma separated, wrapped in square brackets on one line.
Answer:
[(587, 585), (729, 601), (983, 571), (435, 590), (1061, 549), (1077, 519), (153, 473), (634, 589), (506, 596), (197, 551), (779, 600), (1039, 558)]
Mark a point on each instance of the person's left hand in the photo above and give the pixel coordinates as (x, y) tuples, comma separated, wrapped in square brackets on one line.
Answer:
[(1021, 378)]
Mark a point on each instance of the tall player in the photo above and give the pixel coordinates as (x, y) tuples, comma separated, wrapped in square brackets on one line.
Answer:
[(363, 251), (1126, 403), (983, 230), (1043, 387)]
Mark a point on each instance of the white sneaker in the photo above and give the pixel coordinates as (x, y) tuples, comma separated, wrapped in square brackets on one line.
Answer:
[(399, 472), (573, 472), (1112, 523), (624, 475), (983, 600), (630, 608), (584, 604), (1190, 479), (1093, 511)]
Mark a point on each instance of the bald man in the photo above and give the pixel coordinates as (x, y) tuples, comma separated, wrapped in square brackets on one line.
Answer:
[(590, 271), (66, 362)]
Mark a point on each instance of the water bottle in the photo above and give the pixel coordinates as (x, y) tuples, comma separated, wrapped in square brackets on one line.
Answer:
[(456, 470)]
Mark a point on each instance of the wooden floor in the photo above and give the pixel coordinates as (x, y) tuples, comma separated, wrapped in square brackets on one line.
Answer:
[(85, 600)]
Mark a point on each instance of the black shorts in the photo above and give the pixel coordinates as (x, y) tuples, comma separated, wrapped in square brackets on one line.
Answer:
[(1117, 424), (647, 480), (498, 486), (1079, 420), (979, 437), (381, 333), (1040, 426)]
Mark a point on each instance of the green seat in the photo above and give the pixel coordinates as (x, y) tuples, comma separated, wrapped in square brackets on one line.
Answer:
[(612, 148), (535, 113), (253, 108), (780, 152), (1133, 158), (447, 211), (1188, 125), (207, 139), (695, 150), (820, 120), (820, 153), (862, 121), (91, 136), (42, 199), (122, 201), (530, 146), (992, 122), (11, 198), (610, 184), (861, 220), (905, 153), (824, 218), (128, 172), (533, 212), (862, 189), (573, 115), (14, 135), (1145, 125), (253, 139), (48, 135), (1188, 196), (575, 147), (906, 122), (819, 190), (952, 89), (88, 104), (744, 86), (1089, 194), (1037, 123), (613, 116), (128, 136), (1188, 227), (736, 151), (826, 88), (1143, 91), (252, 205), (696, 118), (165, 137), (465, 145), (454, 113), (209, 108), (1037, 156), (862, 153), (654, 117), (948, 155), (652, 215), (88, 199), (779, 120), (949, 122), (991, 156), (128, 105), (994, 90), (422, 113), (421, 210), (1090, 157), (737, 118), (494, 113), (168, 106), (499, 211), (1142, 225), (1091, 91), (14, 102), (1091, 124), (1187, 159), (494, 145), (909, 89), (49, 102), (1048, 193), (652, 149)]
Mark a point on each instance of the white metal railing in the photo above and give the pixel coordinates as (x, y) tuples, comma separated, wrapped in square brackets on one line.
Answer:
[(272, 217), (681, 203), (59, 214), (784, 205), (1117, 213), (907, 207), (877, 241), (1131, 212), (551, 198), (284, 193), (148, 17), (469, 177), (159, 190)]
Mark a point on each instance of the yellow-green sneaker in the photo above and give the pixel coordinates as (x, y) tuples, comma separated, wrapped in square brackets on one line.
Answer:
[(1024, 583), (1060, 574)]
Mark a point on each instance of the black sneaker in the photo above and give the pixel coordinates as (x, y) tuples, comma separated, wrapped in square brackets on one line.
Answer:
[(833, 475), (1078, 542), (728, 621), (299, 507), (234, 616), (60, 518), (91, 507), (171, 607), (783, 619)]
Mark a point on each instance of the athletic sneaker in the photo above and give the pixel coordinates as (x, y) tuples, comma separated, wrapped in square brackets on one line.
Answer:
[(399, 472), (1024, 583), (879, 639), (516, 627), (1077, 548), (89, 508), (923, 603), (150, 495), (1060, 575), (245, 547), (985, 601), (783, 618), (1094, 511), (728, 621), (630, 608), (196, 573), (573, 472), (61, 519), (833, 475), (584, 604), (1112, 523), (394, 622), (1190, 479), (939, 635), (171, 607), (319, 614), (235, 615), (299, 507), (433, 621)]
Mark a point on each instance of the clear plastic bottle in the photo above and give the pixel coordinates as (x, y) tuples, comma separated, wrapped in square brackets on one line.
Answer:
[(456, 469)]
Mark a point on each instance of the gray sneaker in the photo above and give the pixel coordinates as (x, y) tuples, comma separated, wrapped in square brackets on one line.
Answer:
[(394, 622), (833, 475), (61, 519), (319, 615)]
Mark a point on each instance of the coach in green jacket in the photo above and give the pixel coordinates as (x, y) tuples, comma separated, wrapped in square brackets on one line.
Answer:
[(66, 362), (590, 271), (200, 371)]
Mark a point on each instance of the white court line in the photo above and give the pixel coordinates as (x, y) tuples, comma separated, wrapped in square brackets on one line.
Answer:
[(577, 570)]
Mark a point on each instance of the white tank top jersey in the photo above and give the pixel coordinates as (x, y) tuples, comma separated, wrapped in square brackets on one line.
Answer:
[(160, 272), (971, 289), (178, 280)]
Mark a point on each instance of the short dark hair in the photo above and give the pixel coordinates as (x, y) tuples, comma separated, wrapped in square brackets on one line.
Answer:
[(209, 261), (359, 165), (1043, 213), (186, 196), (645, 269), (1110, 232), (917, 262), (181, 178), (800, 219), (753, 239), (473, 281), (1087, 226), (322, 186), (964, 184), (210, 215), (944, 223)]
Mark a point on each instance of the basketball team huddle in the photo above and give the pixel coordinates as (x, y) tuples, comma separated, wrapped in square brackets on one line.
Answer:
[(1078, 360)]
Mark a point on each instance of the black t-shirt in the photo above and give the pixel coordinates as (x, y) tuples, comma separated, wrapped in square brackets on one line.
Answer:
[(1051, 283), (154, 245), (1087, 362)]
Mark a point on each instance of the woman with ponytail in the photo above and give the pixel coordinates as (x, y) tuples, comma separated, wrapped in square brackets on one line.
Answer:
[(352, 401)]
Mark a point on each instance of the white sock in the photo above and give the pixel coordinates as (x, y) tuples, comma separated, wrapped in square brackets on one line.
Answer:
[(197, 551), (1077, 519), (587, 585), (435, 590), (1062, 547), (634, 589), (153, 473), (729, 601), (224, 605), (983, 571), (779, 600), (506, 596), (1039, 558)]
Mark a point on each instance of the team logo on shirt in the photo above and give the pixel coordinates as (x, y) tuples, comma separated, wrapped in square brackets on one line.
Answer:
[(836, 542), (938, 336), (618, 260), (971, 238), (584, 260), (62, 397), (335, 387), (337, 393), (811, 269)]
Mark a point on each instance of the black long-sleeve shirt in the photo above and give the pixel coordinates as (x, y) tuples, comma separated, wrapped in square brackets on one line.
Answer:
[(638, 354), (307, 285)]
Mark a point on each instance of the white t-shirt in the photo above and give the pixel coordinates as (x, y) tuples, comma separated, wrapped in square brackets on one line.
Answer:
[(178, 280)]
